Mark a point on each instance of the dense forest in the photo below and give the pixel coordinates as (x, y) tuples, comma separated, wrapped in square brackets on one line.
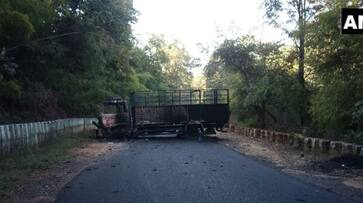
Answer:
[(62, 58), (313, 86)]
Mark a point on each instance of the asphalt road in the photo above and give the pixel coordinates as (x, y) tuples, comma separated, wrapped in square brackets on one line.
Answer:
[(172, 170)]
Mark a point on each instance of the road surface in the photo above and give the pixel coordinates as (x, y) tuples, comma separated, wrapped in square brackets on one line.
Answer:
[(173, 170)]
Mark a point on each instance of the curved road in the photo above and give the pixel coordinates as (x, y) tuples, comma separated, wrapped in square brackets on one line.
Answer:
[(173, 170)]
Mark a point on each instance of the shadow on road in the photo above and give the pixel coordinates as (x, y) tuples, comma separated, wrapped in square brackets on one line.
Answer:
[(173, 137)]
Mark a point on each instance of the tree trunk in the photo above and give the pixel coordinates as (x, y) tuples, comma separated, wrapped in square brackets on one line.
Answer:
[(301, 69), (263, 115)]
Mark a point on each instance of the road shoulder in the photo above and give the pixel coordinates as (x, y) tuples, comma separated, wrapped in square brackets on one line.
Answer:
[(43, 184), (318, 169)]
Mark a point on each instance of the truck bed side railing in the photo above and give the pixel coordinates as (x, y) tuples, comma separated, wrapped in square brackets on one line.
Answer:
[(180, 97)]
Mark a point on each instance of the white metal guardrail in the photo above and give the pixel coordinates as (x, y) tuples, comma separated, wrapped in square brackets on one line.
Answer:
[(15, 136)]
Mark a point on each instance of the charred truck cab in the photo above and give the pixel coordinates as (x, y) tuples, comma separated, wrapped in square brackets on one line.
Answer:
[(185, 112), (114, 119)]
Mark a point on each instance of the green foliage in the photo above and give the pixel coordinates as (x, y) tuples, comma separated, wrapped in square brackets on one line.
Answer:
[(10, 89), (358, 114), (147, 70), (15, 27), (173, 60), (263, 91), (63, 58), (329, 107), (338, 71)]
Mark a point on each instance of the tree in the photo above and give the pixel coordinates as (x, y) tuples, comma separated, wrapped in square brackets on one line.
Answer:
[(291, 16), (63, 58), (68, 56), (148, 71), (338, 71), (263, 92), (175, 61)]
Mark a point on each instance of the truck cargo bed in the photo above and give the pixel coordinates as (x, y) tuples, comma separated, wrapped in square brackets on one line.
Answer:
[(178, 107)]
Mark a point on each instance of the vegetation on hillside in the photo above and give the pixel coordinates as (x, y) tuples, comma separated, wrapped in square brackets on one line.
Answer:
[(63, 58), (265, 78)]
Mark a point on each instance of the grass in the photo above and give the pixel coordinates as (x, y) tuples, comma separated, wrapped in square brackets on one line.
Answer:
[(16, 165)]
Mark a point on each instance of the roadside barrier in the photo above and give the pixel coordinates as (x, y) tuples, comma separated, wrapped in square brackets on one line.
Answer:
[(21, 135), (299, 141)]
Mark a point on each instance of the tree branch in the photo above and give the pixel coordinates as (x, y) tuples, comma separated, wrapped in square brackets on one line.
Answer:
[(44, 39)]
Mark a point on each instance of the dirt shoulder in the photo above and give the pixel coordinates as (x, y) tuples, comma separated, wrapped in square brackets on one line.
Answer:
[(43, 184), (337, 174)]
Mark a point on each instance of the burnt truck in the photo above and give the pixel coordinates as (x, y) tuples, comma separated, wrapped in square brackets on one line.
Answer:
[(183, 112)]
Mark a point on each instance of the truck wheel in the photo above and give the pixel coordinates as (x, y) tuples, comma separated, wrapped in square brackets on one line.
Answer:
[(99, 133), (201, 134), (194, 129), (180, 133)]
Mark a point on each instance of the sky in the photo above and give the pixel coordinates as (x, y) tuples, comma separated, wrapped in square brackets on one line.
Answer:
[(196, 22)]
